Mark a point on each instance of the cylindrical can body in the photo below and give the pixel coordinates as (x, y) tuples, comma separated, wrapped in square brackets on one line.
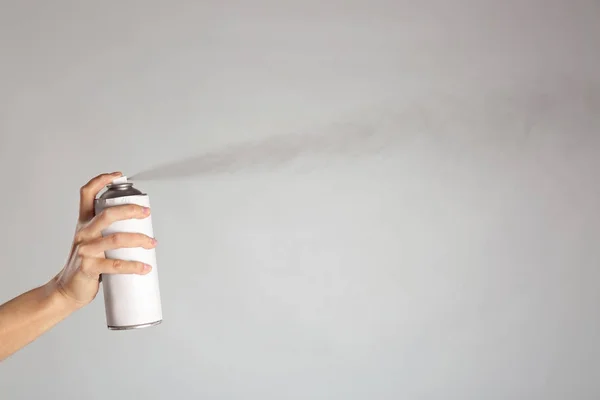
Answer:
[(131, 301)]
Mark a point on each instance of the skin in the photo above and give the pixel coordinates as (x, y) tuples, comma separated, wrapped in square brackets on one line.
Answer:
[(28, 316)]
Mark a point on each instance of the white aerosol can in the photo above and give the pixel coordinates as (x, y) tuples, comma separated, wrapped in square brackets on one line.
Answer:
[(131, 301)]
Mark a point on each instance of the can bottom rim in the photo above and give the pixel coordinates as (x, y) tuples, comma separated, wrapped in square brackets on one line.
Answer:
[(128, 327)]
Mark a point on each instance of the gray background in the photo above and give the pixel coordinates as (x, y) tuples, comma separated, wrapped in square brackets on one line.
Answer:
[(461, 262)]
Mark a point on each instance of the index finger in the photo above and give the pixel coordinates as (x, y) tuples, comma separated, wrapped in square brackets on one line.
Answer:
[(88, 193)]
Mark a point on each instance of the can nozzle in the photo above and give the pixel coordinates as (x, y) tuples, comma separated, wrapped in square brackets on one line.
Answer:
[(119, 180)]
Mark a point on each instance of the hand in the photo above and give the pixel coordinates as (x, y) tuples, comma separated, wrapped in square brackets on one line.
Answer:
[(79, 280)]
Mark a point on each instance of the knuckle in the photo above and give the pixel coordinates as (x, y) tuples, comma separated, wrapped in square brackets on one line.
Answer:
[(81, 250), (133, 209), (117, 265), (79, 237), (116, 238)]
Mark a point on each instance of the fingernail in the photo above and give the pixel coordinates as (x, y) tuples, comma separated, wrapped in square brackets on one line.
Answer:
[(154, 241), (146, 210), (147, 268)]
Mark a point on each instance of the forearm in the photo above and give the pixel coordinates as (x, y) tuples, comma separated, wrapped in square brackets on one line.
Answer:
[(28, 316)]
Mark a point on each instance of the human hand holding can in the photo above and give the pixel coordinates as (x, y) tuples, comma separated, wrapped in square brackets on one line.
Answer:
[(113, 237)]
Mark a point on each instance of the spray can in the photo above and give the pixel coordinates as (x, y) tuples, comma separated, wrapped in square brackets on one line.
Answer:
[(131, 301)]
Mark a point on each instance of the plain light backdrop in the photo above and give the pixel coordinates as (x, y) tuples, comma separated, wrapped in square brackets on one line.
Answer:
[(459, 263)]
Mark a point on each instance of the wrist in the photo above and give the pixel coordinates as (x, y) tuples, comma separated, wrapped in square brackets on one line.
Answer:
[(58, 300)]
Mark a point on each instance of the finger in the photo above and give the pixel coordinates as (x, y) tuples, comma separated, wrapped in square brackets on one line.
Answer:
[(94, 267), (88, 192), (114, 214), (116, 241)]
